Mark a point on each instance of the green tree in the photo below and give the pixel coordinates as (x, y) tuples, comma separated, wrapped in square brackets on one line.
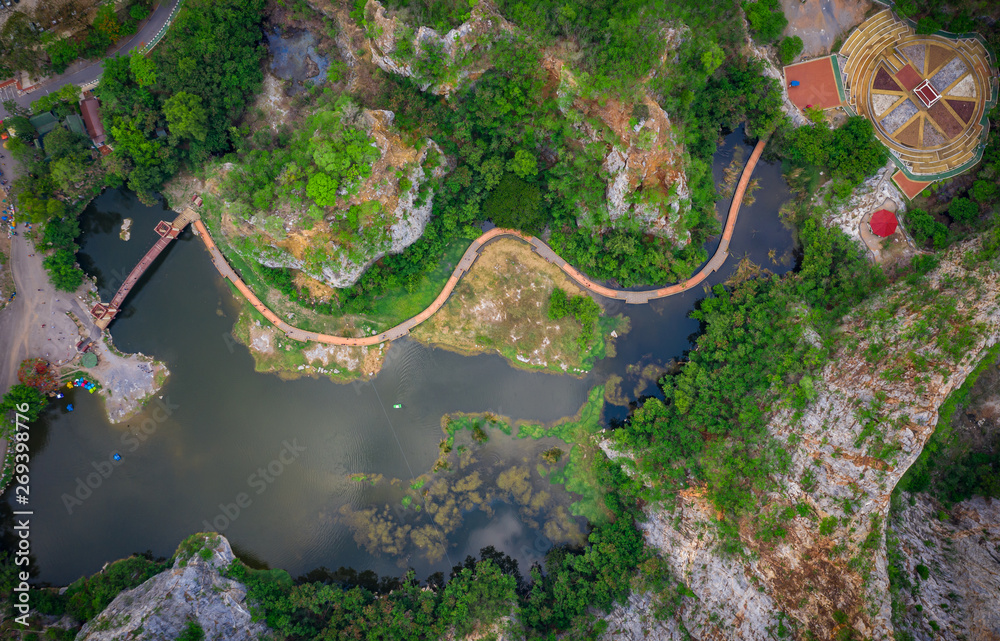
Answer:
[(19, 50), (789, 49), (855, 153), (55, 208), (67, 171), (22, 394), (984, 191), (62, 52), (523, 164), (144, 72), (63, 272), (22, 127), (766, 19), (473, 598), (138, 12), (19, 149), (186, 116), (106, 24), (963, 210), (925, 228), (322, 189), (63, 101), (61, 233), (192, 632), (927, 24), (61, 142), (712, 58), (516, 204)]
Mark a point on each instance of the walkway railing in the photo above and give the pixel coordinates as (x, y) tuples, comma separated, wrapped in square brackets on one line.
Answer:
[(163, 30), (469, 258)]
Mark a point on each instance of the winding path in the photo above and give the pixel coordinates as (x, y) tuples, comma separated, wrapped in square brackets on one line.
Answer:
[(469, 258)]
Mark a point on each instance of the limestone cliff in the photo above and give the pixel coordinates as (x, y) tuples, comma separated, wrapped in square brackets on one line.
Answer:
[(398, 49), (951, 559), (903, 353), (193, 590), (643, 162)]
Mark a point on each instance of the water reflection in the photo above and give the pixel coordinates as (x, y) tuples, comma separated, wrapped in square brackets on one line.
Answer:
[(230, 422)]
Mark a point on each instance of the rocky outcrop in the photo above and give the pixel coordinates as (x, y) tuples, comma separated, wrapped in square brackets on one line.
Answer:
[(872, 412), (193, 590), (457, 47), (644, 163), (394, 185), (952, 562)]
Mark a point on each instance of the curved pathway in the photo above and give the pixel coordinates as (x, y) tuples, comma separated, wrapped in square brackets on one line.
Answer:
[(470, 257)]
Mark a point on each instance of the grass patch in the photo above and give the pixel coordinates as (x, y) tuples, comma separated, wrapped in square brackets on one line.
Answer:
[(503, 304), (394, 308), (286, 355), (454, 423)]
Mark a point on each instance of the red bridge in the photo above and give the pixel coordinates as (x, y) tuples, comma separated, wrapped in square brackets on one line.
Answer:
[(104, 314)]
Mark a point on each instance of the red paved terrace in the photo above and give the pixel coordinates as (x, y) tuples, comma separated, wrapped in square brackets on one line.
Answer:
[(817, 84), (926, 93), (908, 77), (911, 188)]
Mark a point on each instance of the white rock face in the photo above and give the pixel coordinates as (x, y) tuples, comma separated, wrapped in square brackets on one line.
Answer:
[(161, 607), (392, 233), (848, 449), (483, 20), (872, 193), (962, 555)]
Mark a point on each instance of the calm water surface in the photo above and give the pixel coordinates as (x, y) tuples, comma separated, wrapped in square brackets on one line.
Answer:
[(289, 445)]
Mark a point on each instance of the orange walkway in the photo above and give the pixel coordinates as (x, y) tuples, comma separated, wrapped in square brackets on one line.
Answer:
[(470, 257)]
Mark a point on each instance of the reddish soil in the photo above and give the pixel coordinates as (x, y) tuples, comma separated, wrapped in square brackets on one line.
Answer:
[(936, 57), (911, 188), (884, 81), (908, 77), (964, 108), (946, 122), (910, 136)]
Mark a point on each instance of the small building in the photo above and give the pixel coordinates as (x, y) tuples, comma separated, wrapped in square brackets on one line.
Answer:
[(44, 123), (91, 109), (75, 124)]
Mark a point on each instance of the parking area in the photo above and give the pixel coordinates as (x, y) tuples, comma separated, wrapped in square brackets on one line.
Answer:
[(8, 93)]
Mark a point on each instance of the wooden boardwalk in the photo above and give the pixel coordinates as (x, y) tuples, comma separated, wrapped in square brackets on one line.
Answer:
[(469, 258), (104, 314)]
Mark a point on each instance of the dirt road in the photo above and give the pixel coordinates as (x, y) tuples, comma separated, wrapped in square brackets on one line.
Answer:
[(37, 304)]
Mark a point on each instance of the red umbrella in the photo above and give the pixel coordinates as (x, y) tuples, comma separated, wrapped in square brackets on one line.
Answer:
[(883, 223)]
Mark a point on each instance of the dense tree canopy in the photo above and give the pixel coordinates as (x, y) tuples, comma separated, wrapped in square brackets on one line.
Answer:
[(197, 82)]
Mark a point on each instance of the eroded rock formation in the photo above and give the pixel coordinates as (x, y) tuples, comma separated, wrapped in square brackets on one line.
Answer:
[(193, 590), (876, 406)]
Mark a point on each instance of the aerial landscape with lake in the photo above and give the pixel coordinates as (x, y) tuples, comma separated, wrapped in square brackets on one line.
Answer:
[(499, 319)]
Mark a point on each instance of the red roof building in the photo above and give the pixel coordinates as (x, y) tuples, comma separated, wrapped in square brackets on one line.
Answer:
[(883, 223), (92, 118)]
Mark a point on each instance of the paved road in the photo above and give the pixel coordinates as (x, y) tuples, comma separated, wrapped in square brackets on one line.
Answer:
[(85, 71), (469, 258)]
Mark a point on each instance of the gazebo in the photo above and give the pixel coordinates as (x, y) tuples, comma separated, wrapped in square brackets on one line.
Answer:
[(883, 223)]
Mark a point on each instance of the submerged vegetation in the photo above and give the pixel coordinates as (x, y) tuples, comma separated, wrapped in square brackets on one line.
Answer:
[(429, 509)]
